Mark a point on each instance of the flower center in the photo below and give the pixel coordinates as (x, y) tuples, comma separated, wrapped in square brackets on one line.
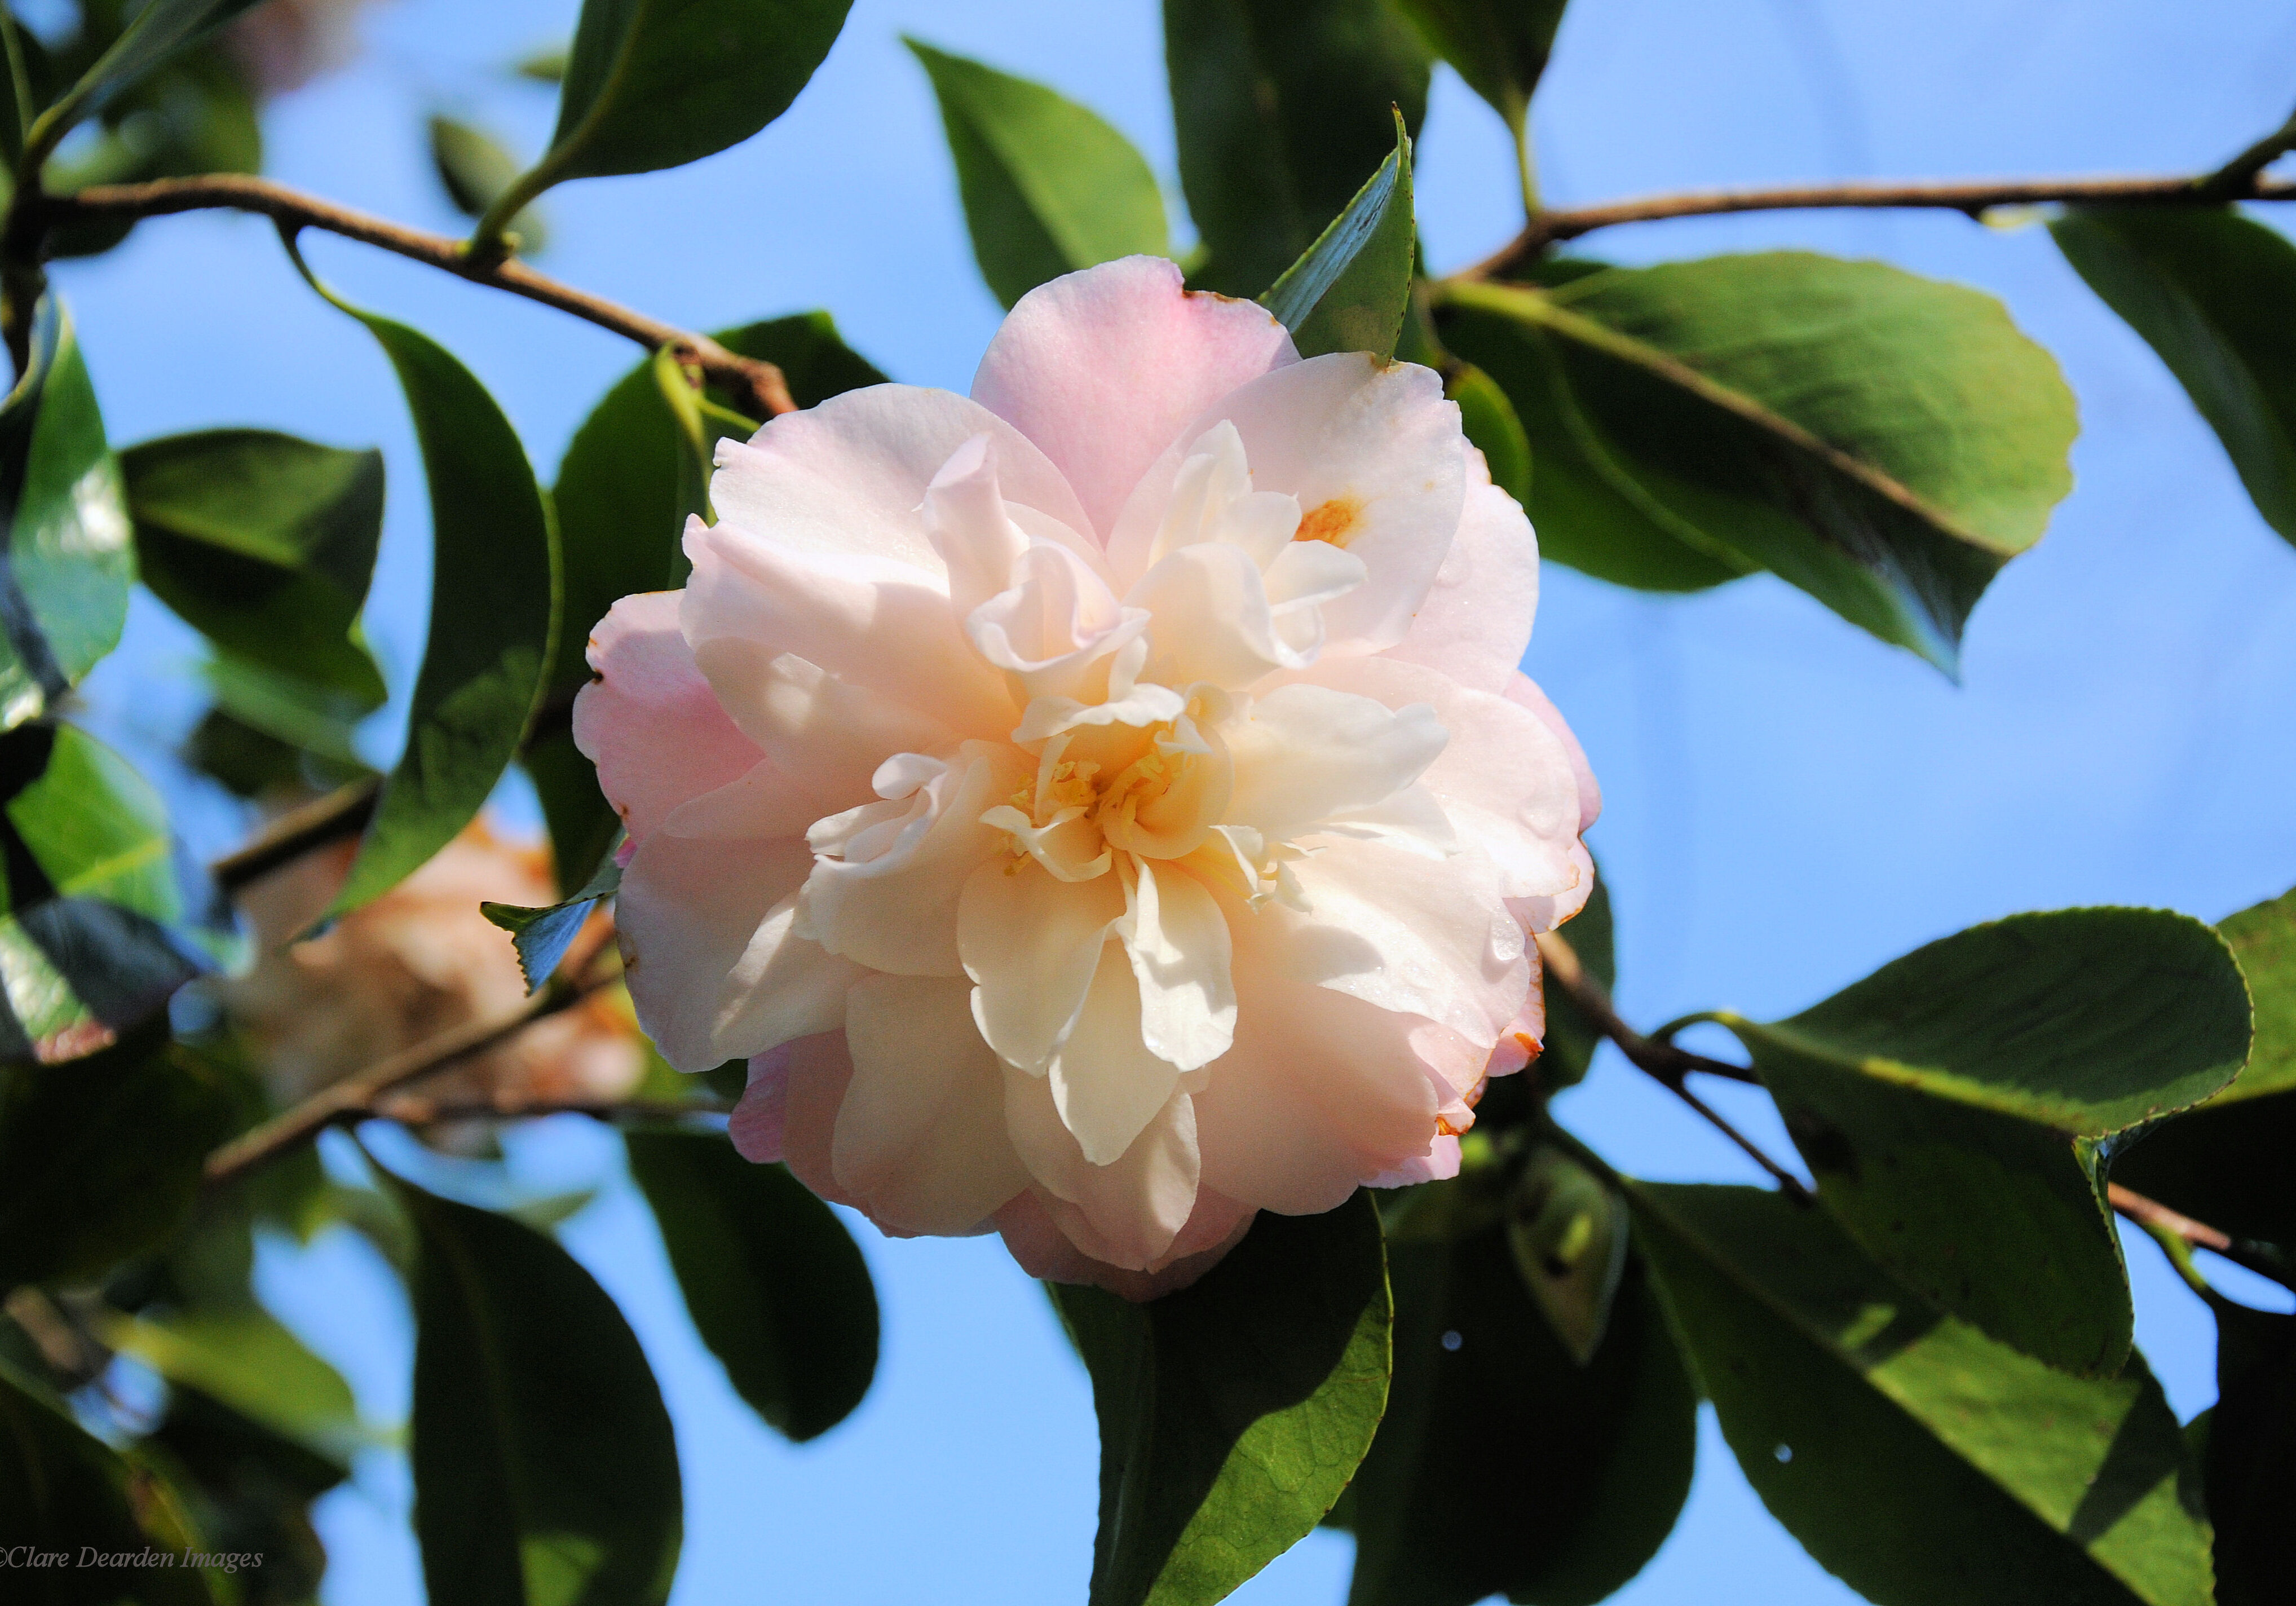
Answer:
[(1155, 790)]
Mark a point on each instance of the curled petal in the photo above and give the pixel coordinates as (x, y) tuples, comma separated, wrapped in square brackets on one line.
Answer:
[(1034, 1239), (1177, 937), (1105, 1083), (1475, 623), (1054, 625), (760, 1119), (1031, 944), (820, 1069), (1128, 1213), (649, 721), (1308, 755), (1523, 692), (920, 1142), (1211, 621), (1102, 368)]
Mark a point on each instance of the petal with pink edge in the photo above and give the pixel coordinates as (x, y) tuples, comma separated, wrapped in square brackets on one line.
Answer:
[(649, 721), (1128, 1213), (1475, 624), (1102, 368)]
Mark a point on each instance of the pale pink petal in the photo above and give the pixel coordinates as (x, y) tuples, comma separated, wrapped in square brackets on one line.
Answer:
[(1305, 754), (1217, 1225), (1375, 459), (820, 1069), (1104, 1082), (1128, 1213), (1440, 1163), (920, 1138), (761, 1118), (650, 722), (1030, 944), (849, 476), (713, 968), (1102, 368), (1524, 691), (874, 623), (1475, 623), (1177, 938)]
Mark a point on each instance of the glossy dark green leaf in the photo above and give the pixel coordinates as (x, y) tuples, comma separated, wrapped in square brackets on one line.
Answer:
[(61, 1490), (654, 84), (249, 1490), (1884, 442), (1568, 1230), (1505, 1466), (1349, 289), (542, 935), (1914, 1458), (2210, 291), (1589, 511), (93, 826), (1489, 420), (623, 497), (775, 1283), (1281, 107), (1572, 1038), (100, 1157), (265, 545), (154, 32), (1234, 1412), (1499, 46), (494, 614), (545, 1469), (2226, 1162), (1049, 186), (475, 167), (2249, 1456), (64, 597), (317, 720), (247, 1360), (1955, 1107)]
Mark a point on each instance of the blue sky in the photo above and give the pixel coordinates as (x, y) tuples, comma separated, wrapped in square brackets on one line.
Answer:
[(1790, 804)]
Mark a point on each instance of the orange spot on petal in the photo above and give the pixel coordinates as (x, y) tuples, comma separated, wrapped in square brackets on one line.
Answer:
[(1333, 521)]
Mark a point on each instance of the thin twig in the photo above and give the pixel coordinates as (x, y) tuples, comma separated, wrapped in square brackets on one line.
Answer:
[(1972, 197), (1662, 1062), (341, 813), (242, 193), (355, 1096), (2158, 1219), (415, 1110)]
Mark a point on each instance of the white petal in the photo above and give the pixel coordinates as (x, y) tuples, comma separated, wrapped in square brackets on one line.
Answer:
[(814, 726), (1211, 619), (1212, 500), (1177, 939), (1476, 620), (920, 1139), (1305, 754), (1030, 944), (898, 912), (1128, 1213), (1105, 1083), (1057, 621)]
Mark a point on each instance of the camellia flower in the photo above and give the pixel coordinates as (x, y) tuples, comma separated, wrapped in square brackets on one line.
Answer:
[(1105, 807)]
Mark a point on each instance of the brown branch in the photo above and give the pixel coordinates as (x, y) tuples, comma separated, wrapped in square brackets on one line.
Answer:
[(2158, 1218), (1971, 197), (1666, 1064), (341, 813), (416, 1110), (355, 1096), (292, 209)]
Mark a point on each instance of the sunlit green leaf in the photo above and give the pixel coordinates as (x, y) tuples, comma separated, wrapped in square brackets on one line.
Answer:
[(1049, 186), (2211, 291), (545, 1469), (1914, 1458), (1234, 1412), (1489, 420), (775, 1285), (1349, 291), (100, 1157), (1884, 442), (155, 31), (246, 1359), (1955, 1107), (265, 545), (1281, 107)]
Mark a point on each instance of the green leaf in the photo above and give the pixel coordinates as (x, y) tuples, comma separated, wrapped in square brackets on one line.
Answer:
[(2226, 1162), (1590, 512), (1915, 1459), (244, 1358), (1489, 420), (264, 544), (2210, 291), (775, 1283), (1568, 1232), (1955, 1107), (652, 84), (476, 170), (494, 613), (64, 597), (1572, 1038), (1233, 1413), (249, 1490), (1884, 442), (545, 1469), (544, 65), (99, 1158), (194, 114), (2248, 1458), (1281, 107), (1499, 46), (61, 1490), (542, 935), (1503, 1465), (93, 826), (1049, 186), (1349, 289), (623, 497), (156, 31)]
